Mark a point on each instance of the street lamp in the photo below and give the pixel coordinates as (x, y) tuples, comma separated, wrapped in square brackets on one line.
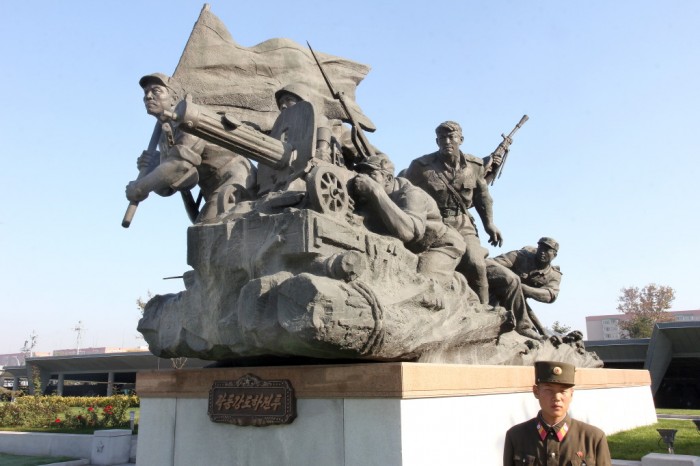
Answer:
[(668, 436)]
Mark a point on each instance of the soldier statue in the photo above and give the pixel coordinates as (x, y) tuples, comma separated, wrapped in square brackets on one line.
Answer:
[(185, 161), (456, 181), (394, 206), (526, 273)]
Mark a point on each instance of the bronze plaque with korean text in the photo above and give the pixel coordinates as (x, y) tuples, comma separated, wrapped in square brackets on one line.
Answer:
[(251, 401)]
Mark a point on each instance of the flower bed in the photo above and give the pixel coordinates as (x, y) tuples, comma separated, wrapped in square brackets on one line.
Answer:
[(67, 413)]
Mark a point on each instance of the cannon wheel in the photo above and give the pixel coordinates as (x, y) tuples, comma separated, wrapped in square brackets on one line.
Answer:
[(327, 191)]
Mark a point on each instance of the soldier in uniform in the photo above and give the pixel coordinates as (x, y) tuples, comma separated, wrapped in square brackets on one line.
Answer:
[(456, 181), (327, 146), (327, 131), (394, 206), (527, 273), (553, 437), (185, 160), (333, 139)]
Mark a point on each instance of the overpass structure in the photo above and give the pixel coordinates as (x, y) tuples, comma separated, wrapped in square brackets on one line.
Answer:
[(90, 374)]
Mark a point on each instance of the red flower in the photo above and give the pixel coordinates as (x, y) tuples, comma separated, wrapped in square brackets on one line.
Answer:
[(57, 420), (91, 409), (80, 417)]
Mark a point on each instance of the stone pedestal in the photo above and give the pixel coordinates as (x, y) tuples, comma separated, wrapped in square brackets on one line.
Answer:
[(389, 414)]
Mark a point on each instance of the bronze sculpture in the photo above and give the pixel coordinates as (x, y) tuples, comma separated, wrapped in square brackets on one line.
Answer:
[(333, 257)]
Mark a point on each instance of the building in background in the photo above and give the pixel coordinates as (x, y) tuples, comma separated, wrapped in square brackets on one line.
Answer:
[(84, 372), (607, 327), (671, 355)]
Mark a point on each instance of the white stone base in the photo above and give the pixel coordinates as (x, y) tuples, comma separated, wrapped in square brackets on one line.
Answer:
[(75, 445), (41, 444), (661, 459), (111, 446), (406, 430)]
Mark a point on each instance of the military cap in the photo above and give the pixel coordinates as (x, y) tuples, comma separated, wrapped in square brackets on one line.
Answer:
[(554, 372), (380, 161), (160, 78), (551, 242), (448, 127)]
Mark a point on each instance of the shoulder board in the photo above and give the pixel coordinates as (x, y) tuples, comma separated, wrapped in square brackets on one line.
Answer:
[(425, 159), (473, 159), (556, 267)]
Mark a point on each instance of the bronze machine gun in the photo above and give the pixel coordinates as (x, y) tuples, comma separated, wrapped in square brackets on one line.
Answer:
[(288, 149)]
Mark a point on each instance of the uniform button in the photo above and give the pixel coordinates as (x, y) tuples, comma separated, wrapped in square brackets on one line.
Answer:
[(552, 454)]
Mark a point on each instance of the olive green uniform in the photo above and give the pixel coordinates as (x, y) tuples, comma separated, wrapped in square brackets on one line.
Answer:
[(570, 442)]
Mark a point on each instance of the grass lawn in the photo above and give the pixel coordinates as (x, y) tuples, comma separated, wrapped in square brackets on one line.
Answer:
[(689, 412), (16, 460), (635, 443)]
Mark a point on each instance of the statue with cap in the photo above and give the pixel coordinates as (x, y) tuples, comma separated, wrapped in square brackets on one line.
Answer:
[(456, 181), (185, 161), (526, 273), (553, 437)]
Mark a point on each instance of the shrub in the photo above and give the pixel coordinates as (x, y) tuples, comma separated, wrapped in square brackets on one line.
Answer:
[(5, 394), (10, 415), (68, 412), (131, 401), (40, 411)]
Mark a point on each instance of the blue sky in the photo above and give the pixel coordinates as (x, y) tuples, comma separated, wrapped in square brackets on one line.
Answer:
[(607, 164)]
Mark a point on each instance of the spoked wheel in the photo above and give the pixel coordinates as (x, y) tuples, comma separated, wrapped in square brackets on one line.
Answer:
[(327, 191)]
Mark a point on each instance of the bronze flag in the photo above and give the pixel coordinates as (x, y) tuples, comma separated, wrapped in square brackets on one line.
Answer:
[(228, 77)]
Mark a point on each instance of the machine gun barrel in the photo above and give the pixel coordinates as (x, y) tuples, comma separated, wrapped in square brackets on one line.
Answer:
[(228, 132)]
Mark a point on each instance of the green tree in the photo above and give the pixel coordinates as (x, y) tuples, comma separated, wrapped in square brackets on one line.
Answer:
[(141, 303), (644, 308), (560, 329)]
